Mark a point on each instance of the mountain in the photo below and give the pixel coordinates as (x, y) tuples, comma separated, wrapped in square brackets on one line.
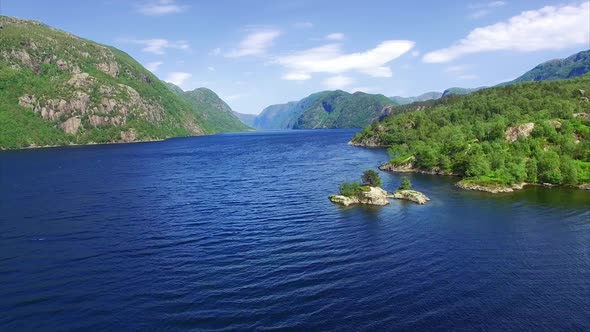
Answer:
[(58, 89), (423, 97), (216, 114), (534, 132), (460, 91), (572, 66), (278, 116), (247, 119), (326, 109)]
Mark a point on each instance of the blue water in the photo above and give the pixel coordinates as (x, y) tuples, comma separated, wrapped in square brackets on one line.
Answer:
[(235, 232)]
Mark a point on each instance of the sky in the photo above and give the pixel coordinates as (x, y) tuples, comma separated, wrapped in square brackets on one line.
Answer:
[(260, 52)]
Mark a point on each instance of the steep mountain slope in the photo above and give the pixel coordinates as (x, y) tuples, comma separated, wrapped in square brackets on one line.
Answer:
[(247, 119), (535, 132), (216, 114), (572, 66), (278, 116), (327, 109), (423, 97), (59, 89)]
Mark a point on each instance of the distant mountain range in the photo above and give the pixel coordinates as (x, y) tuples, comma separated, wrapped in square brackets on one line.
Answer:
[(423, 97), (247, 119), (557, 69), (339, 109), (326, 109)]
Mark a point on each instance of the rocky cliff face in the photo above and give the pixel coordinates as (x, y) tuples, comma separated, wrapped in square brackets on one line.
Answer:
[(57, 88)]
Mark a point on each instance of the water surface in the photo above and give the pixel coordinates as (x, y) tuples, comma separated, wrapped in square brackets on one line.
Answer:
[(234, 232)]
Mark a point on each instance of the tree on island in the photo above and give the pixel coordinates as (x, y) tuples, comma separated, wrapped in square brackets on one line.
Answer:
[(406, 184), (371, 178)]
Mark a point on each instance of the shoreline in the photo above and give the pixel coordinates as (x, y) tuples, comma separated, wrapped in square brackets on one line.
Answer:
[(481, 187), (32, 147)]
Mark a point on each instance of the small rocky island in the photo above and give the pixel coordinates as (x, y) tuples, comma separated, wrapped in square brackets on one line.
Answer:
[(369, 192)]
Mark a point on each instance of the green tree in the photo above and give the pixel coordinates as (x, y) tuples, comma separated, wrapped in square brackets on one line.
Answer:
[(371, 178), (531, 170), (405, 184), (569, 171), (549, 168), (350, 189)]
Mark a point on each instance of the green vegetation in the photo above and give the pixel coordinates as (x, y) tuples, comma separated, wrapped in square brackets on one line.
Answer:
[(350, 189), (572, 66), (483, 136), (405, 184), (216, 114), (371, 178), (57, 89), (327, 109)]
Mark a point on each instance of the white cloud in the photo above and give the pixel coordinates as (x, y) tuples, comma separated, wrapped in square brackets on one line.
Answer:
[(211, 68), (303, 25), (337, 82), (153, 66), (178, 78), (296, 76), (330, 59), (335, 36), (255, 43), (549, 28), (480, 10), (160, 7), (159, 45)]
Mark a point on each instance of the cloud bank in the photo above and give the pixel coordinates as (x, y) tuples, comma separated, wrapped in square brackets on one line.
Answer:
[(330, 59), (549, 28)]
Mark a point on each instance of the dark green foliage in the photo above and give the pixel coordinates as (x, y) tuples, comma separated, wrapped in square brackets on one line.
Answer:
[(466, 135), (351, 189), (371, 178), (405, 184)]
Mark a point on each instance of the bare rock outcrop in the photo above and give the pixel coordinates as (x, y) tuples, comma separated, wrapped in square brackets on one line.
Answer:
[(410, 195), (375, 196), (71, 125), (110, 68), (516, 132)]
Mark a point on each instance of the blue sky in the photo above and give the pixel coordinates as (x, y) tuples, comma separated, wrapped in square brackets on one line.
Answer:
[(256, 53)]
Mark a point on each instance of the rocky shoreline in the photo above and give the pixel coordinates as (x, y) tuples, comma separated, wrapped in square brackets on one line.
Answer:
[(490, 188), (473, 186), (410, 195), (409, 168), (378, 196)]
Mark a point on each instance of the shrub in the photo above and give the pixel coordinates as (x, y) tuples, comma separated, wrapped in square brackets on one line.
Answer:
[(406, 184), (350, 189), (371, 178)]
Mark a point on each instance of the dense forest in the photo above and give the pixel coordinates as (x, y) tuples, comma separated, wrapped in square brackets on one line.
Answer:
[(537, 132)]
